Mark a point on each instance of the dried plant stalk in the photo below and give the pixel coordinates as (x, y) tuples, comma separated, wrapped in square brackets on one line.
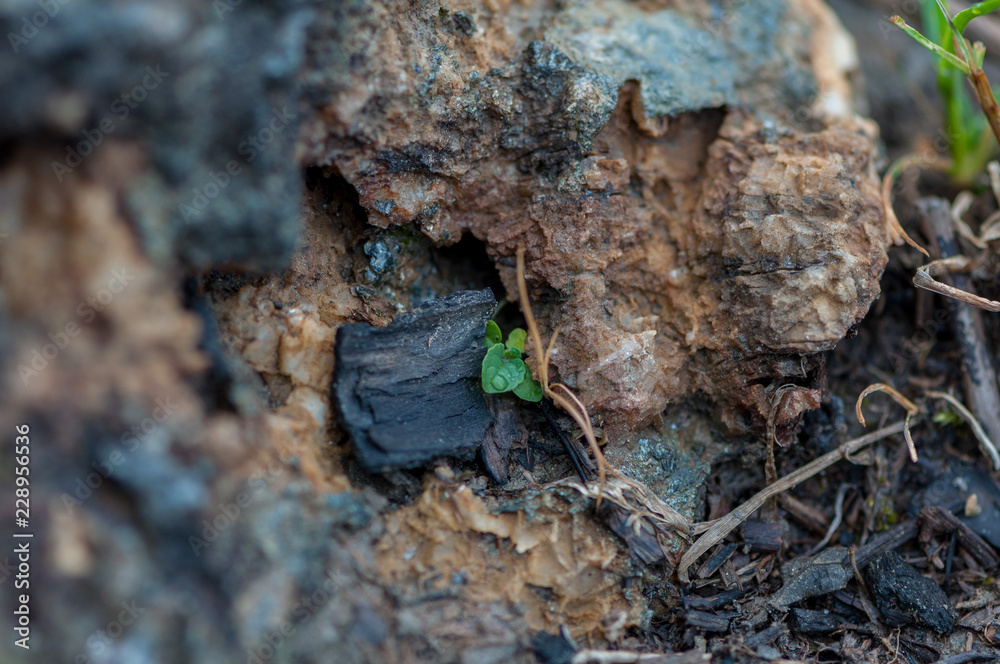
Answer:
[(923, 279), (564, 398), (985, 95), (624, 491), (911, 410), (894, 229), (726, 524)]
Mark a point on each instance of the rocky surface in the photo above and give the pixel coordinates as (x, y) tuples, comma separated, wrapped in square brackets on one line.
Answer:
[(699, 211), (691, 226)]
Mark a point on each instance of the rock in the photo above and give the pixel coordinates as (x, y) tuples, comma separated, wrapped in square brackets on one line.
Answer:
[(410, 392), (697, 201), (905, 597), (204, 99)]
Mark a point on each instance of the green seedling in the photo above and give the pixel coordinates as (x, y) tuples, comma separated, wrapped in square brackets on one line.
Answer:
[(503, 368), (948, 418), (970, 144)]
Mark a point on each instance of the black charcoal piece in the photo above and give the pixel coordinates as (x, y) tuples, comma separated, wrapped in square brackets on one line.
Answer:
[(710, 622), (502, 434), (638, 535), (410, 391), (905, 597), (815, 622)]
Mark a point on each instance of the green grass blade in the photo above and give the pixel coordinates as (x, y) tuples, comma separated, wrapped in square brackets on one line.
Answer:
[(935, 25), (962, 18), (931, 46)]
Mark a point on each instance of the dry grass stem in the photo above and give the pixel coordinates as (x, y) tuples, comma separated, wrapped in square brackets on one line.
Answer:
[(959, 207), (636, 499), (911, 410), (626, 492), (923, 279), (894, 229), (838, 516), (627, 657), (726, 524), (989, 230), (986, 99), (564, 398), (984, 441)]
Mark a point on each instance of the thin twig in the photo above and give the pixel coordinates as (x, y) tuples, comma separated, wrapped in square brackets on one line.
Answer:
[(866, 600), (568, 446), (565, 398), (838, 516), (986, 99), (923, 279), (726, 524), (626, 657), (894, 229)]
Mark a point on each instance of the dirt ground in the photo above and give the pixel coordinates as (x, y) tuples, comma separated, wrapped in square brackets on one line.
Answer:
[(697, 192)]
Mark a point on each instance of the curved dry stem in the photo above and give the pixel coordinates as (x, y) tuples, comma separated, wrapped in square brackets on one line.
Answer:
[(895, 230), (959, 207), (568, 402), (910, 407), (529, 320), (579, 414), (911, 410), (923, 279), (551, 347)]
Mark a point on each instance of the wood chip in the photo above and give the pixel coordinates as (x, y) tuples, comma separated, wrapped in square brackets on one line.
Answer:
[(936, 520), (710, 622)]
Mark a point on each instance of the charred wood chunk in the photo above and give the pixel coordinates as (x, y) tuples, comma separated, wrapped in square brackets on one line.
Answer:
[(905, 597), (761, 535), (502, 434), (410, 392), (815, 622), (715, 561), (710, 622), (638, 535)]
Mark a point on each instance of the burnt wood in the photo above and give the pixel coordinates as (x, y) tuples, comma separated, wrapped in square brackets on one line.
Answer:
[(410, 392)]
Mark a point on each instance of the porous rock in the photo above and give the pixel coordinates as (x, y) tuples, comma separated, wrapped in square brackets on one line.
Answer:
[(697, 201)]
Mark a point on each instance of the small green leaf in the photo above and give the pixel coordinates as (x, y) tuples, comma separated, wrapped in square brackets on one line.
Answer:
[(500, 375), (493, 335), (529, 389), (509, 376), (516, 339), (491, 367), (962, 18), (948, 418), (512, 354)]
